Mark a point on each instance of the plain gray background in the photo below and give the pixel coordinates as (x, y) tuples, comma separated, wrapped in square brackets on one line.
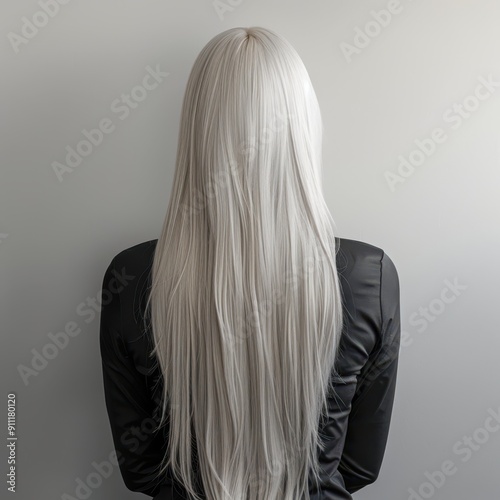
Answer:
[(379, 94)]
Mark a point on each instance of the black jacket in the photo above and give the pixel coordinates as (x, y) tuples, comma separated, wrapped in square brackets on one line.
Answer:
[(359, 412)]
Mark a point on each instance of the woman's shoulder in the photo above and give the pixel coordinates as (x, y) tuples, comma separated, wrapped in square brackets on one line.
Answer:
[(136, 254), (357, 249), (132, 267), (369, 281), (355, 258), (359, 258)]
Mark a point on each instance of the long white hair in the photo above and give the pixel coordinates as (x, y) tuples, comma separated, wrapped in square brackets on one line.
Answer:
[(245, 301)]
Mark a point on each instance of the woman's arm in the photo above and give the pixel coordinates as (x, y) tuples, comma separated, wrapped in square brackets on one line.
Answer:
[(129, 406), (370, 415)]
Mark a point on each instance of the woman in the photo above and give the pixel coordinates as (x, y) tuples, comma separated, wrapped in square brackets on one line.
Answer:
[(248, 353)]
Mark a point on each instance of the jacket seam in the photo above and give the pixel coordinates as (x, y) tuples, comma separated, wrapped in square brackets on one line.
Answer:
[(380, 300)]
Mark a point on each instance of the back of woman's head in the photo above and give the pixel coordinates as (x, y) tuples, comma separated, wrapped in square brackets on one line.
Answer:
[(245, 300)]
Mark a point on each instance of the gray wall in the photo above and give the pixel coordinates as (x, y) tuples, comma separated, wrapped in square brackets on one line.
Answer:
[(379, 94)]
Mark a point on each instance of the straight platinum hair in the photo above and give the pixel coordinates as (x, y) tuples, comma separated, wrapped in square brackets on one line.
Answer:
[(245, 301)]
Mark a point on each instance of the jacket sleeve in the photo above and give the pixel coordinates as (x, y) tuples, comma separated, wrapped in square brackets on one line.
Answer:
[(372, 404), (139, 446)]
